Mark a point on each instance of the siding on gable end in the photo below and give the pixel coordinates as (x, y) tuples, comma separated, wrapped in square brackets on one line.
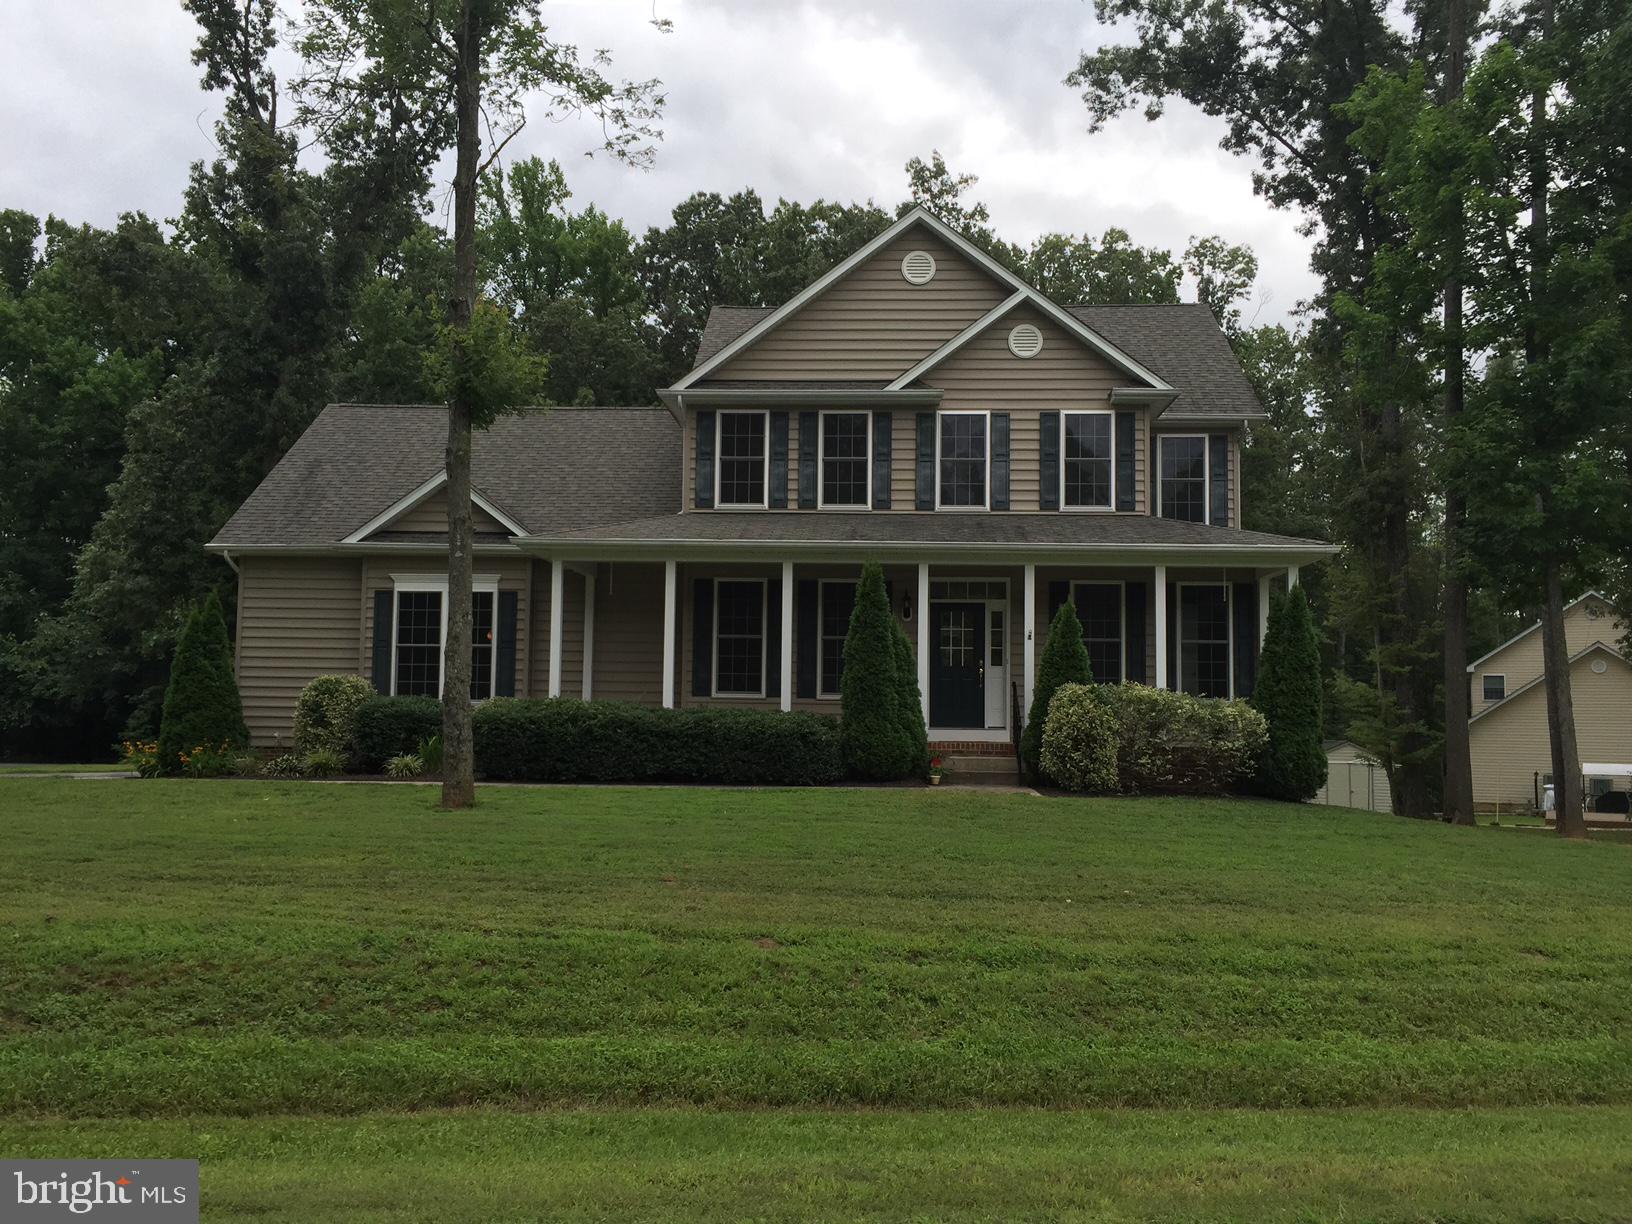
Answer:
[(872, 324), (1520, 661), (297, 619), (432, 515)]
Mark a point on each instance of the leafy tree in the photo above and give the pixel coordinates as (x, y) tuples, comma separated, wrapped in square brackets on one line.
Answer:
[(1064, 661), (202, 708), (873, 732), (931, 184), (1223, 273), (469, 69), (1112, 272), (1288, 695)]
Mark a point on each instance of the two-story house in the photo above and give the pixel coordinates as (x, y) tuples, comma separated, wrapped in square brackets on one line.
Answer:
[(919, 405)]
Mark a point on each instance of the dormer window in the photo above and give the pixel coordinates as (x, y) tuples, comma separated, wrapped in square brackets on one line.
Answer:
[(1183, 490), (1086, 468), (845, 454), (962, 460), (744, 460)]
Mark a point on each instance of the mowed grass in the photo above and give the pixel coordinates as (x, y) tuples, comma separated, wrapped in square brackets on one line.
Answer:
[(665, 1164), (183, 948)]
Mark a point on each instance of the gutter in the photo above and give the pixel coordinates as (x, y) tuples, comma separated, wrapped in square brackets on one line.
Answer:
[(877, 397)]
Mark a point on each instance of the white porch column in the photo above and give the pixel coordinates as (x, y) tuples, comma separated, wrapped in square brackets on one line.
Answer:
[(590, 574), (787, 635), (923, 637), (1028, 652), (1161, 626), (1291, 578), (557, 599), (1263, 609), (670, 596)]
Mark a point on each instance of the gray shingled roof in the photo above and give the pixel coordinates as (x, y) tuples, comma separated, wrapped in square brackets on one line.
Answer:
[(564, 469), (1182, 343), (847, 527)]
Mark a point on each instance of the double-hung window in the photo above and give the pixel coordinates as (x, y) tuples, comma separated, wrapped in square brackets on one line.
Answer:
[(961, 445), (739, 637), (1087, 469), (420, 633), (1494, 686), (1099, 608), (845, 448), (1204, 639), (744, 459), (838, 601), (1182, 489)]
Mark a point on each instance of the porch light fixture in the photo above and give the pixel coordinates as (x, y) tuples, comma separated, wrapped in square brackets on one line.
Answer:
[(906, 608)]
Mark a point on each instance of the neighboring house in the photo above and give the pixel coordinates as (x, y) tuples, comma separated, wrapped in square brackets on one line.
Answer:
[(918, 405), (1354, 779), (1512, 757)]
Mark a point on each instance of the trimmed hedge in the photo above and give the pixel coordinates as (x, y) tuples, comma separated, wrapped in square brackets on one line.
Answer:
[(1175, 743), (394, 726), (1079, 740), (566, 740)]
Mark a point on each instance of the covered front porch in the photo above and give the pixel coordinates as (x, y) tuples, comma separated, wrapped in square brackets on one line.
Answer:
[(712, 627)]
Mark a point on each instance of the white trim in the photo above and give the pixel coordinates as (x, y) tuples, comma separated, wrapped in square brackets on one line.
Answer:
[(988, 603), (785, 661), (1110, 506), (866, 503), (958, 341), (1524, 633), (438, 583), (587, 687), (1206, 473), (821, 640), (1160, 597), (1484, 686), (1263, 608), (558, 598), (922, 216), (1029, 642), (1121, 586), (714, 639), (922, 612), (1229, 634), (670, 594), (986, 503), (404, 504), (719, 459)]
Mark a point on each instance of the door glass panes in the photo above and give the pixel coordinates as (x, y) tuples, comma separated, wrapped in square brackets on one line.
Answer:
[(739, 649), (844, 459), (838, 602), (481, 645), (1088, 459), (963, 459), (1204, 640), (742, 458), (994, 650), (1184, 479), (1099, 608), (959, 640), (419, 644), (960, 588)]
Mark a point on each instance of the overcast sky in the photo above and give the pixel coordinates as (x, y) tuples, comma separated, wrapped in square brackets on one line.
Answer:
[(100, 113)]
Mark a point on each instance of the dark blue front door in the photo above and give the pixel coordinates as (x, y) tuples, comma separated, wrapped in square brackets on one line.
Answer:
[(957, 666)]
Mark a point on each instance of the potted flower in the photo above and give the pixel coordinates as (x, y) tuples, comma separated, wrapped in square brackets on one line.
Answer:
[(935, 771)]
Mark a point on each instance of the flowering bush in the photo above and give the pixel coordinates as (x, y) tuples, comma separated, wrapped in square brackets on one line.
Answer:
[(212, 761), (1171, 742), (142, 757), (1079, 740)]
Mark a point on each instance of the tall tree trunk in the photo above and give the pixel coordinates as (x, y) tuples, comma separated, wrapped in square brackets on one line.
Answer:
[(1567, 795), (1458, 797), (458, 748)]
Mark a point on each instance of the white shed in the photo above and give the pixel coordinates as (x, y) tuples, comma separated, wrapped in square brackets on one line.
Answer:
[(1354, 779)]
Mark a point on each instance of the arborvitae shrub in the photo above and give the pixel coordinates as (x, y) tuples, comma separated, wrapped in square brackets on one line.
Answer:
[(910, 700), (872, 734), (202, 708), (1064, 661), (1293, 764)]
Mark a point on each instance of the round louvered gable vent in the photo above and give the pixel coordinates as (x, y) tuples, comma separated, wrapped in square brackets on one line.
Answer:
[(1599, 667), (1025, 341), (918, 267)]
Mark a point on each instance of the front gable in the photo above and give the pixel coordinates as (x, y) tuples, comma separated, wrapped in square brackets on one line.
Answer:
[(424, 511), (872, 323), (1518, 661)]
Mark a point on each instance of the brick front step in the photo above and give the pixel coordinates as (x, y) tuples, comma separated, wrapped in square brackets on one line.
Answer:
[(984, 748)]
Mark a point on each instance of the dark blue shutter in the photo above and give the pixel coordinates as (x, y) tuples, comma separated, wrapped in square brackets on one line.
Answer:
[(1048, 494), (773, 636), (883, 423), (1137, 596), (1218, 452), (806, 627), (1126, 431), (704, 476), (702, 637), (809, 422), (1000, 461), (779, 461), (382, 642), (504, 647), (926, 461), (1244, 612)]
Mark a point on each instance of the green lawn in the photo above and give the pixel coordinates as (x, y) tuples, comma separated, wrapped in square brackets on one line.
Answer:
[(177, 952)]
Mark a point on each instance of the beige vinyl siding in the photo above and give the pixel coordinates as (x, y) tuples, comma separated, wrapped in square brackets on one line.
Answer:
[(432, 515), (297, 618), (628, 634), (1590, 620), (1510, 745), (1354, 780), (512, 573), (872, 324), (572, 634)]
